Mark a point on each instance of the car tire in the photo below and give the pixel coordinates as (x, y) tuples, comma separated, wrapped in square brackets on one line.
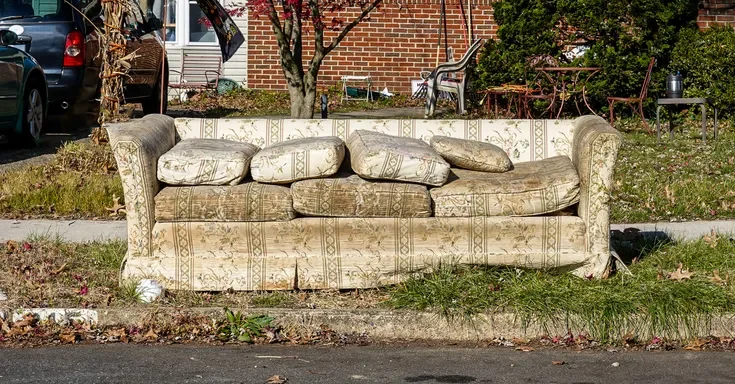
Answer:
[(33, 115), (153, 103)]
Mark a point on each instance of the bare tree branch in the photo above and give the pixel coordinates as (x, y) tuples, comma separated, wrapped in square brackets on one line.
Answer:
[(351, 25)]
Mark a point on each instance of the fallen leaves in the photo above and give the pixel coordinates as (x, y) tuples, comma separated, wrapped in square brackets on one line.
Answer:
[(525, 348), (117, 334), (558, 362), (695, 345), (116, 208), (59, 270), (680, 274), (712, 238), (716, 279), (151, 335), (68, 337), (276, 379), (669, 195)]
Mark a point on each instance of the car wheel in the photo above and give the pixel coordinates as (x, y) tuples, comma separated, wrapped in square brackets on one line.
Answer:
[(153, 103), (33, 115)]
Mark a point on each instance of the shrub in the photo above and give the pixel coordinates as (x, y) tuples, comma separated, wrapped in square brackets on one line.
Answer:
[(706, 60), (620, 35)]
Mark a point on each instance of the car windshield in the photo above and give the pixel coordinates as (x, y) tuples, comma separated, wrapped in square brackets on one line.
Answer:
[(30, 9)]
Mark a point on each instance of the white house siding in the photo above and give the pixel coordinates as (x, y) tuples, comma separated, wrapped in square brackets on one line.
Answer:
[(235, 69)]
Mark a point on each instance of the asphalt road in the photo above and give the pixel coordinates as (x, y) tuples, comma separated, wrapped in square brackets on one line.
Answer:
[(370, 364)]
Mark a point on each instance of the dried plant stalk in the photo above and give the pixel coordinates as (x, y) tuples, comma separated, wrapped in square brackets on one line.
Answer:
[(113, 49), (115, 62)]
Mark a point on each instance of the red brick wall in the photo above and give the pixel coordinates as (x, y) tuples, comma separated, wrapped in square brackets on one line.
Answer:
[(399, 41), (716, 12), (393, 47)]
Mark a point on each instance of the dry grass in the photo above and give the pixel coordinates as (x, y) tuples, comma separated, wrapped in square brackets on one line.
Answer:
[(80, 182), (45, 272)]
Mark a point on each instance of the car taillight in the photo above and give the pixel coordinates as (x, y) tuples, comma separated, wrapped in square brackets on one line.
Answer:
[(74, 50)]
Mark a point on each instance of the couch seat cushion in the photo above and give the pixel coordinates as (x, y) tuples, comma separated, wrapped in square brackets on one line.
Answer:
[(244, 202), (351, 196), (471, 154), (375, 155), (531, 188), (298, 159), (206, 162)]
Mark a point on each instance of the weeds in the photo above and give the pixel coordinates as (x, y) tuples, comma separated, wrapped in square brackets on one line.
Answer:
[(128, 291), (242, 328)]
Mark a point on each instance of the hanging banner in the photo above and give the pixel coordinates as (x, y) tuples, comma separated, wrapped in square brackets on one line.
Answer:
[(229, 35)]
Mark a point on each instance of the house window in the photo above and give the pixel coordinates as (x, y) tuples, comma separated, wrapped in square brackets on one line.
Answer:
[(184, 22), (200, 31), (171, 20)]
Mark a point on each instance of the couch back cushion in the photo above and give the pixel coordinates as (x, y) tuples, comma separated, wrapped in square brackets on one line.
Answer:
[(522, 140)]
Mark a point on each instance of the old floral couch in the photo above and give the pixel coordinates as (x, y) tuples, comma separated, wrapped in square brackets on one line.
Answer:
[(250, 238)]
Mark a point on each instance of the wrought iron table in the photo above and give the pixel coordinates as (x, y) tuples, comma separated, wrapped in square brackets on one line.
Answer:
[(566, 81), (702, 102)]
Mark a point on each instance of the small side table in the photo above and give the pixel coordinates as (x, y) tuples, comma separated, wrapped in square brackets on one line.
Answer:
[(366, 79), (702, 102)]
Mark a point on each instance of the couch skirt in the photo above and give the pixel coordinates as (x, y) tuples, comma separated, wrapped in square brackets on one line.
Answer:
[(345, 253)]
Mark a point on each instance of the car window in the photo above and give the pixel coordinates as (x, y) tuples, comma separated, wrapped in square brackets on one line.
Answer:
[(30, 9)]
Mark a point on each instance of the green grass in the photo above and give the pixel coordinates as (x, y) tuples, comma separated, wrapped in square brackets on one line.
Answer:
[(646, 303), (680, 179)]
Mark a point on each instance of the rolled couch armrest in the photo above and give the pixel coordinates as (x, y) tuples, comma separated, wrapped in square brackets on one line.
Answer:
[(594, 152), (137, 145)]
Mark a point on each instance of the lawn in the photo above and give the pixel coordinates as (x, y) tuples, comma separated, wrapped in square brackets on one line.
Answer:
[(80, 182), (677, 180)]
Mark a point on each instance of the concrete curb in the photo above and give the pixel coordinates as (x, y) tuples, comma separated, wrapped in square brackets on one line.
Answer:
[(374, 323), (93, 230)]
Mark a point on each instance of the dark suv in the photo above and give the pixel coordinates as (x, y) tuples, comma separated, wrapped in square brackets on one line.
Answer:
[(66, 45)]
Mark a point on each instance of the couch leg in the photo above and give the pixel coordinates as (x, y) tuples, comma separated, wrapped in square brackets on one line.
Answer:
[(597, 267)]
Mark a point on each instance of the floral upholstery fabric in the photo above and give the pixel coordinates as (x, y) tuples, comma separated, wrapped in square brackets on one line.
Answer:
[(137, 145), (298, 159), (374, 155), (351, 196), (595, 150), (370, 252), (346, 253), (531, 188), (523, 140), (206, 162), (244, 202), (472, 155)]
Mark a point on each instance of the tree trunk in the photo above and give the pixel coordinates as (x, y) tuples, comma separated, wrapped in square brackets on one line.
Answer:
[(303, 99)]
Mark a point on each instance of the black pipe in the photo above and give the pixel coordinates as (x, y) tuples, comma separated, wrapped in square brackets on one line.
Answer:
[(324, 107)]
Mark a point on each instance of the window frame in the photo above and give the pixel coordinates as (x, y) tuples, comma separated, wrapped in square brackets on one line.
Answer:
[(188, 29)]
